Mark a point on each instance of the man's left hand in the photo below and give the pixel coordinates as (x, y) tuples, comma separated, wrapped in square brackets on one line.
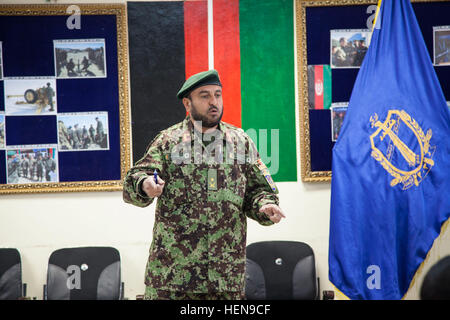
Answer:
[(273, 212)]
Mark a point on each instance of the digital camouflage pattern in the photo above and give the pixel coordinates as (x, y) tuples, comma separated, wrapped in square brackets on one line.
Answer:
[(153, 294), (199, 235)]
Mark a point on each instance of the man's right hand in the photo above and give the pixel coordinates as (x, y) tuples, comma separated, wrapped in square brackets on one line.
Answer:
[(151, 188)]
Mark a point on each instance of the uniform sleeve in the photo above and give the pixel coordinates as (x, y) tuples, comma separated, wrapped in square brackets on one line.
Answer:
[(132, 185), (260, 190)]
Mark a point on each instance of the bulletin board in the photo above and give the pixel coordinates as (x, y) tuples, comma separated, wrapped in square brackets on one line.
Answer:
[(64, 98), (328, 34)]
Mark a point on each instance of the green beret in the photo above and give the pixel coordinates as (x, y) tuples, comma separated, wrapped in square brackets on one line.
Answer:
[(197, 80)]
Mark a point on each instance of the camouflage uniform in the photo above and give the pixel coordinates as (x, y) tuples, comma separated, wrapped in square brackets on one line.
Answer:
[(199, 235)]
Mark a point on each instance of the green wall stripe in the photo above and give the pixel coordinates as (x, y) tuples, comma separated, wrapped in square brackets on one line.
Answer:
[(267, 77)]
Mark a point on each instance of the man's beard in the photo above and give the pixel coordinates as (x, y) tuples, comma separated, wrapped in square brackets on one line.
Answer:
[(206, 123)]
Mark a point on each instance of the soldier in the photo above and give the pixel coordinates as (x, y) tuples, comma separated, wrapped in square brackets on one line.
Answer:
[(199, 236), (85, 138), (39, 168), (71, 137), (92, 133), (32, 167), (2, 134), (77, 137), (50, 167), (64, 136), (13, 169), (85, 63), (70, 66), (24, 165), (49, 93), (100, 133)]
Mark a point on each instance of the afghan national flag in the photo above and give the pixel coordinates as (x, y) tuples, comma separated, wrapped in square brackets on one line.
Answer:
[(250, 43), (319, 86)]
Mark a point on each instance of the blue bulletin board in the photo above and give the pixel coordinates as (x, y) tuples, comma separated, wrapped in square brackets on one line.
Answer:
[(63, 98), (322, 70)]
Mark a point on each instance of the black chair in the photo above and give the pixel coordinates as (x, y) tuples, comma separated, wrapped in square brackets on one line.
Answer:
[(84, 273), (436, 283), (11, 287), (281, 270)]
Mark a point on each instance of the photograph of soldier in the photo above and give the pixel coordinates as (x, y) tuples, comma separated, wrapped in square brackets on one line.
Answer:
[(80, 58), (33, 165), (441, 46), (30, 96), (83, 131), (338, 111), (2, 131), (348, 47), (199, 238)]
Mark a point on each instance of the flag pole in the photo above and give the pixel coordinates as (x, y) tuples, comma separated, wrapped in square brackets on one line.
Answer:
[(376, 14)]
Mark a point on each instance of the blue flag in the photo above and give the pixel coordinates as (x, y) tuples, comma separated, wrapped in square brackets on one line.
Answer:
[(390, 189)]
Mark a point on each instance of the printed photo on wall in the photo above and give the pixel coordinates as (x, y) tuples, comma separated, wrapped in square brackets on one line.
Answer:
[(84, 58), (32, 164), (319, 86), (338, 111), (30, 96), (348, 47), (83, 131), (441, 41), (1, 61), (2, 131)]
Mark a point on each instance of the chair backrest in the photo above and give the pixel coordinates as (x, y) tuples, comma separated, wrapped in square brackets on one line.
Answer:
[(10, 274), (84, 273), (436, 283), (280, 270)]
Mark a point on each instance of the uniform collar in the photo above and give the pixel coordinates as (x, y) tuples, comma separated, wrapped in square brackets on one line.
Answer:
[(188, 127)]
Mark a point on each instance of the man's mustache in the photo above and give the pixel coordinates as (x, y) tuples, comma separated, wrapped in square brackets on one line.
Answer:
[(213, 108)]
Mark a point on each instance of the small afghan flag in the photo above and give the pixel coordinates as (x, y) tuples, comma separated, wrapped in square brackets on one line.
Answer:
[(319, 86)]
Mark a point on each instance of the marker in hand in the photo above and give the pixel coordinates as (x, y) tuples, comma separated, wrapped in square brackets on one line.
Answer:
[(153, 186)]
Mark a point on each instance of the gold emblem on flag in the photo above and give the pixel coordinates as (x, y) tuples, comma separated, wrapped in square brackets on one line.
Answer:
[(408, 162)]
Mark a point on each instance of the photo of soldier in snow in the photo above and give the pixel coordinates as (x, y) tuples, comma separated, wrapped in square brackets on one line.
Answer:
[(30, 96), (80, 58)]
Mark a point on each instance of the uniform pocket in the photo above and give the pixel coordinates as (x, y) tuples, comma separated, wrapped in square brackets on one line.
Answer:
[(231, 183)]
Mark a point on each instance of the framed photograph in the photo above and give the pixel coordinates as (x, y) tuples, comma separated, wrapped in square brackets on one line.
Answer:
[(83, 131), (441, 39), (2, 131), (30, 96), (32, 164), (1, 61), (64, 114), (337, 34), (338, 111), (79, 58), (348, 47)]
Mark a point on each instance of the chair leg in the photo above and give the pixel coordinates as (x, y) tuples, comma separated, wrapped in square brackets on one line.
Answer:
[(44, 294)]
